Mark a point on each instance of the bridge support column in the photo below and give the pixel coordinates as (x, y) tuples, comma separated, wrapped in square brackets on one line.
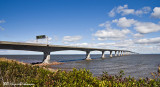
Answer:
[(119, 53), (103, 55), (115, 53), (46, 58), (124, 53), (88, 55), (110, 53)]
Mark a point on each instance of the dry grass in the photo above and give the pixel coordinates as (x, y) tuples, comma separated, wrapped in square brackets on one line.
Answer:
[(44, 64), (41, 65), (11, 60)]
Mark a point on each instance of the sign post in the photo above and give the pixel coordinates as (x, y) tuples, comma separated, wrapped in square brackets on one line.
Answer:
[(41, 37)]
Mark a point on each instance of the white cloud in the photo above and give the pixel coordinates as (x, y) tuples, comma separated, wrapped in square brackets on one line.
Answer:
[(107, 25), (123, 22), (137, 35), (148, 41), (81, 45), (17, 52), (2, 21), (122, 45), (144, 10), (126, 45), (158, 44), (94, 45), (71, 38), (146, 49), (112, 12), (124, 10), (112, 34), (108, 33), (141, 27), (146, 27), (55, 38), (1, 28), (3, 51), (156, 12)]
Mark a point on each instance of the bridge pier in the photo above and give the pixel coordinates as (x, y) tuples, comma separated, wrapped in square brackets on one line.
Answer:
[(46, 58), (103, 55), (121, 53), (124, 53), (118, 53), (115, 53), (88, 55), (110, 53)]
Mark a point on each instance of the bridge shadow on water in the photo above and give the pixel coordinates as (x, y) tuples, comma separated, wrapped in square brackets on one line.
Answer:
[(73, 60), (36, 63)]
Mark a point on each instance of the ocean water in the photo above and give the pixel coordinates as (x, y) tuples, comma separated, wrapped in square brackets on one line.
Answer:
[(139, 66)]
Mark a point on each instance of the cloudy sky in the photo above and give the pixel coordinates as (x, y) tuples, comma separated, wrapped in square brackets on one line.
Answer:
[(113, 24)]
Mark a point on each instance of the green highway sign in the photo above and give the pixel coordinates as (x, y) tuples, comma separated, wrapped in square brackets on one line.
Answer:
[(41, 37)]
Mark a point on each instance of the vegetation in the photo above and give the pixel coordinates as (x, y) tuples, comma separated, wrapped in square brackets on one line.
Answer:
[(14, 72)]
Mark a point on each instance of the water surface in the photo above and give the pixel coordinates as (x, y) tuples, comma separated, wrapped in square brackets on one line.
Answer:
[(140, 65)]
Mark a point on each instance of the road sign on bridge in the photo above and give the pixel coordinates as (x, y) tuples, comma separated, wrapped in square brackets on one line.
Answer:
[(42, 37)]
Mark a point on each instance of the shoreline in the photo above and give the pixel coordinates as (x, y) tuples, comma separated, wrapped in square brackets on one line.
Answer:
[(16, 72), (43, 65)]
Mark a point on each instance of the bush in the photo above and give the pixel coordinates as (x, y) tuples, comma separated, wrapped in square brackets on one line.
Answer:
[(16, 72), (75, 78)]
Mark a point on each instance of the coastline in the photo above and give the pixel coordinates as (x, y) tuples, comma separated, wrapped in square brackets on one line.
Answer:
[(36, 64), (15, 72)]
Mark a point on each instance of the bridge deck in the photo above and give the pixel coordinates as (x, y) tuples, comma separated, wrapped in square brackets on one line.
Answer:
[(44, 47)]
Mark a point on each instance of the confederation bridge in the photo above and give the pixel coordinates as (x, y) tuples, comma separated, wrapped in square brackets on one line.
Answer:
[(47, 49)]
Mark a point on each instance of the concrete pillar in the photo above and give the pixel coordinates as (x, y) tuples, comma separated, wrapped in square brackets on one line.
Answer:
[(88, 55), (46, 58), (103, 55), (110, 53), (124, 53), (119, 53), (115, 53)]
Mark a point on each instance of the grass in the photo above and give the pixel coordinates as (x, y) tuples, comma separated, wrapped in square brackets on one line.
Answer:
[(16, 72)]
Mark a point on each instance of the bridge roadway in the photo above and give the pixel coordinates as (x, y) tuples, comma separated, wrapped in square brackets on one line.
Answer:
[(46, 49)]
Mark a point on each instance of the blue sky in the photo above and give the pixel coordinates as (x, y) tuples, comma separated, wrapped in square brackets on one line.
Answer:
[(113, 24)]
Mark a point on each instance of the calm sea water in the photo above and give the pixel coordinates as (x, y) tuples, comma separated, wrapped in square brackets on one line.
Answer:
[(140, 65)]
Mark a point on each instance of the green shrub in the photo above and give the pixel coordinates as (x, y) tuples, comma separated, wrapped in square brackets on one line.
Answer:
[(75, 78), (15, 72)]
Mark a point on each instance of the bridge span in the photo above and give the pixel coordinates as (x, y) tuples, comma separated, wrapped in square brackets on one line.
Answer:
[(46, 49)]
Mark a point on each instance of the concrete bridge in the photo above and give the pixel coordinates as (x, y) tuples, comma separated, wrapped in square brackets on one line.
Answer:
[(46, 49)]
